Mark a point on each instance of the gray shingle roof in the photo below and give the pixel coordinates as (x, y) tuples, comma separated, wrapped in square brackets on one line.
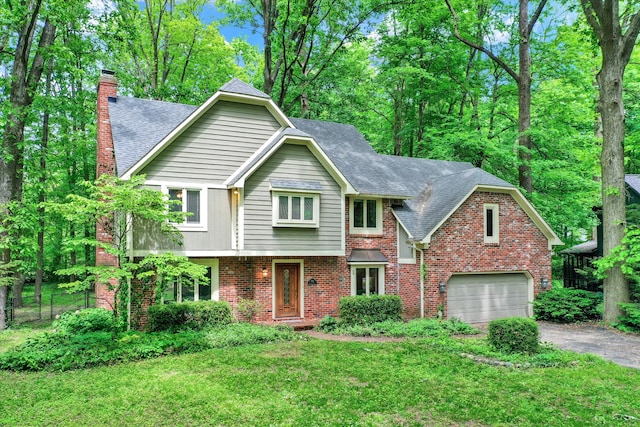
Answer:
[(238, 86), (432, 188), (138, 125), (633, 181)]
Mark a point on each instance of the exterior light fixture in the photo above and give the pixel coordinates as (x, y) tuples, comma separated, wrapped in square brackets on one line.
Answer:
[(442, 287), (312, 282), (264, 271), (544, 283)]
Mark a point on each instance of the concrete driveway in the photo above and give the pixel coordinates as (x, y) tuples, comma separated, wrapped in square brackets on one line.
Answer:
[(623, 349)]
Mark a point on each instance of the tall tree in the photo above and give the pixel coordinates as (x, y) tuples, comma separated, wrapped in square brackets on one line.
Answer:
[(35, 34), (616, 32), (522, 77)]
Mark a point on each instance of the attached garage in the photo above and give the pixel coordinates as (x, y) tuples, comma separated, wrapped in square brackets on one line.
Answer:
[(480, 298)]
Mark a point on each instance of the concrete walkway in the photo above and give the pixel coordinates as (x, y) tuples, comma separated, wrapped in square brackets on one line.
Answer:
[(623, 349)]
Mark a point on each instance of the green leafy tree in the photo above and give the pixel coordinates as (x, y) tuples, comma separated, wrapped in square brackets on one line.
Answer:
[(119, 205), (616, 31)]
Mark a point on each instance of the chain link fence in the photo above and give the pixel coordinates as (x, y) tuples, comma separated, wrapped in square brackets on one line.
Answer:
[(49, 307)]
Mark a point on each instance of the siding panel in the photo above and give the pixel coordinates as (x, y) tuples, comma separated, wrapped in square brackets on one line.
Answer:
[(217, 236), (214, 146), (293, 162)]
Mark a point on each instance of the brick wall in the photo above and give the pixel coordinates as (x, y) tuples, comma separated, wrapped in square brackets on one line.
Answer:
[(458, 246), (107, 87)]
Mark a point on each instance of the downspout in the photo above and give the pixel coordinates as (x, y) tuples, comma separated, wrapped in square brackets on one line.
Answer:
[(421, 280)]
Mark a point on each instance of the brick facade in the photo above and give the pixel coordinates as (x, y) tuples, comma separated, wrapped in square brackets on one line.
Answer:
[(107, 87)]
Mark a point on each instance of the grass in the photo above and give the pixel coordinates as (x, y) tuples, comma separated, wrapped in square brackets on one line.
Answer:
[(309, 383), (62, 301)]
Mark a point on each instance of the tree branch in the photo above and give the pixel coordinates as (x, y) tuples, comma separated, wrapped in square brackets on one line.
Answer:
[(535, 16), (630, 37), (593, 16), (481, 48)]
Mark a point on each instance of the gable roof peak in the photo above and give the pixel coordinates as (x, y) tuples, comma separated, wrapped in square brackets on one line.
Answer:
[(235, 85)]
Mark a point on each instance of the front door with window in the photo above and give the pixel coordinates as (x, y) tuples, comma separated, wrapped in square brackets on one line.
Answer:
[(287, 290)]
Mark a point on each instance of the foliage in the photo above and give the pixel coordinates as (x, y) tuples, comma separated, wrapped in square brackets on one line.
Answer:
[(363, 310), (89, 320), (417, 328), (249, 308), (188, 315), (62, 350), (630, 319), (514, 335), (627, 256), (567, 305), (241, 333)]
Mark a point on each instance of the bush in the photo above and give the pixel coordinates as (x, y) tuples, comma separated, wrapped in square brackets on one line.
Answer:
[(249, 308), (514, 335), (328, 324), (188, 315), (365, 310), (89, 320), (567, 305), (630, 321)]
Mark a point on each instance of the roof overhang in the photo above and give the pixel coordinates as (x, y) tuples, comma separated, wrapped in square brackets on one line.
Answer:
[(367, 256), (522, 202), (179, 130)]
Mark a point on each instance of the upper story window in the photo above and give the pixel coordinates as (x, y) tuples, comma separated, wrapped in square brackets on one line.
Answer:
[(296, 203), (491, 223), (366, 216), (193, 203)]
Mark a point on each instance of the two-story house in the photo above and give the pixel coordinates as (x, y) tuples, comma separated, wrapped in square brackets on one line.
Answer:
[(298, 213)]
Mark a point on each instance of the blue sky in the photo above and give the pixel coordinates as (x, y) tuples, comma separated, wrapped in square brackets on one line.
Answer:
[(211, 13)]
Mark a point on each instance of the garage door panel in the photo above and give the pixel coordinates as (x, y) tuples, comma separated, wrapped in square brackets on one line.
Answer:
[(485, 297)]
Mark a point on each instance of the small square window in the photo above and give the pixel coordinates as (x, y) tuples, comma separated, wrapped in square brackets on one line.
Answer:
[(367, 280)]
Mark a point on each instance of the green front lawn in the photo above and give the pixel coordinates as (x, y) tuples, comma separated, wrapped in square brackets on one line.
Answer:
[(308, 383)]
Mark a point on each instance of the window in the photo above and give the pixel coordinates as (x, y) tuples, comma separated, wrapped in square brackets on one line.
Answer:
[(190, 203), (366, 216), (367, 280), (491, 224), (296, 209), (186, 290)]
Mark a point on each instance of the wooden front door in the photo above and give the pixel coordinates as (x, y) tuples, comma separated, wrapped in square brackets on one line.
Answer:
[(287, 290)]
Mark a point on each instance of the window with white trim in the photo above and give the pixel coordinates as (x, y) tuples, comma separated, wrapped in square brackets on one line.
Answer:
[(491, 223), (367, 279), (292, 209), (193, 202), (183, 289), (366, 216)]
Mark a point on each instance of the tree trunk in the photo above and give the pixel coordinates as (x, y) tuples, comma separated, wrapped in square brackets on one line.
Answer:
[(18, 302), (616, 285), (4, 290), (524, 100)]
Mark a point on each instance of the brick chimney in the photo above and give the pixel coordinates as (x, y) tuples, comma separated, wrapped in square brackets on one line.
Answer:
[(107, 91)]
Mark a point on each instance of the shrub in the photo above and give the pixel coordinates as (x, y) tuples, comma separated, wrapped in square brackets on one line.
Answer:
[(567, 305), (630, 321), (188, 315), (89, 320), (249, 308), (365, 310), (514, 335), (328, 324)]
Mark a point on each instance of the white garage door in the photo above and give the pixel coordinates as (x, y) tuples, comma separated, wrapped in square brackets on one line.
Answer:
[(478, 298)]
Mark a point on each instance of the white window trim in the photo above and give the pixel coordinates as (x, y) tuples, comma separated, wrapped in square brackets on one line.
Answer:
[(185, 226), (496, 223), (401, 241), (301, 223), (381, 274), (215, 281), (366, 230)]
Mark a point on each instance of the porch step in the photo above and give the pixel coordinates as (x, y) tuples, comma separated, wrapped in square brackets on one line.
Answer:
[(298, 324)]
